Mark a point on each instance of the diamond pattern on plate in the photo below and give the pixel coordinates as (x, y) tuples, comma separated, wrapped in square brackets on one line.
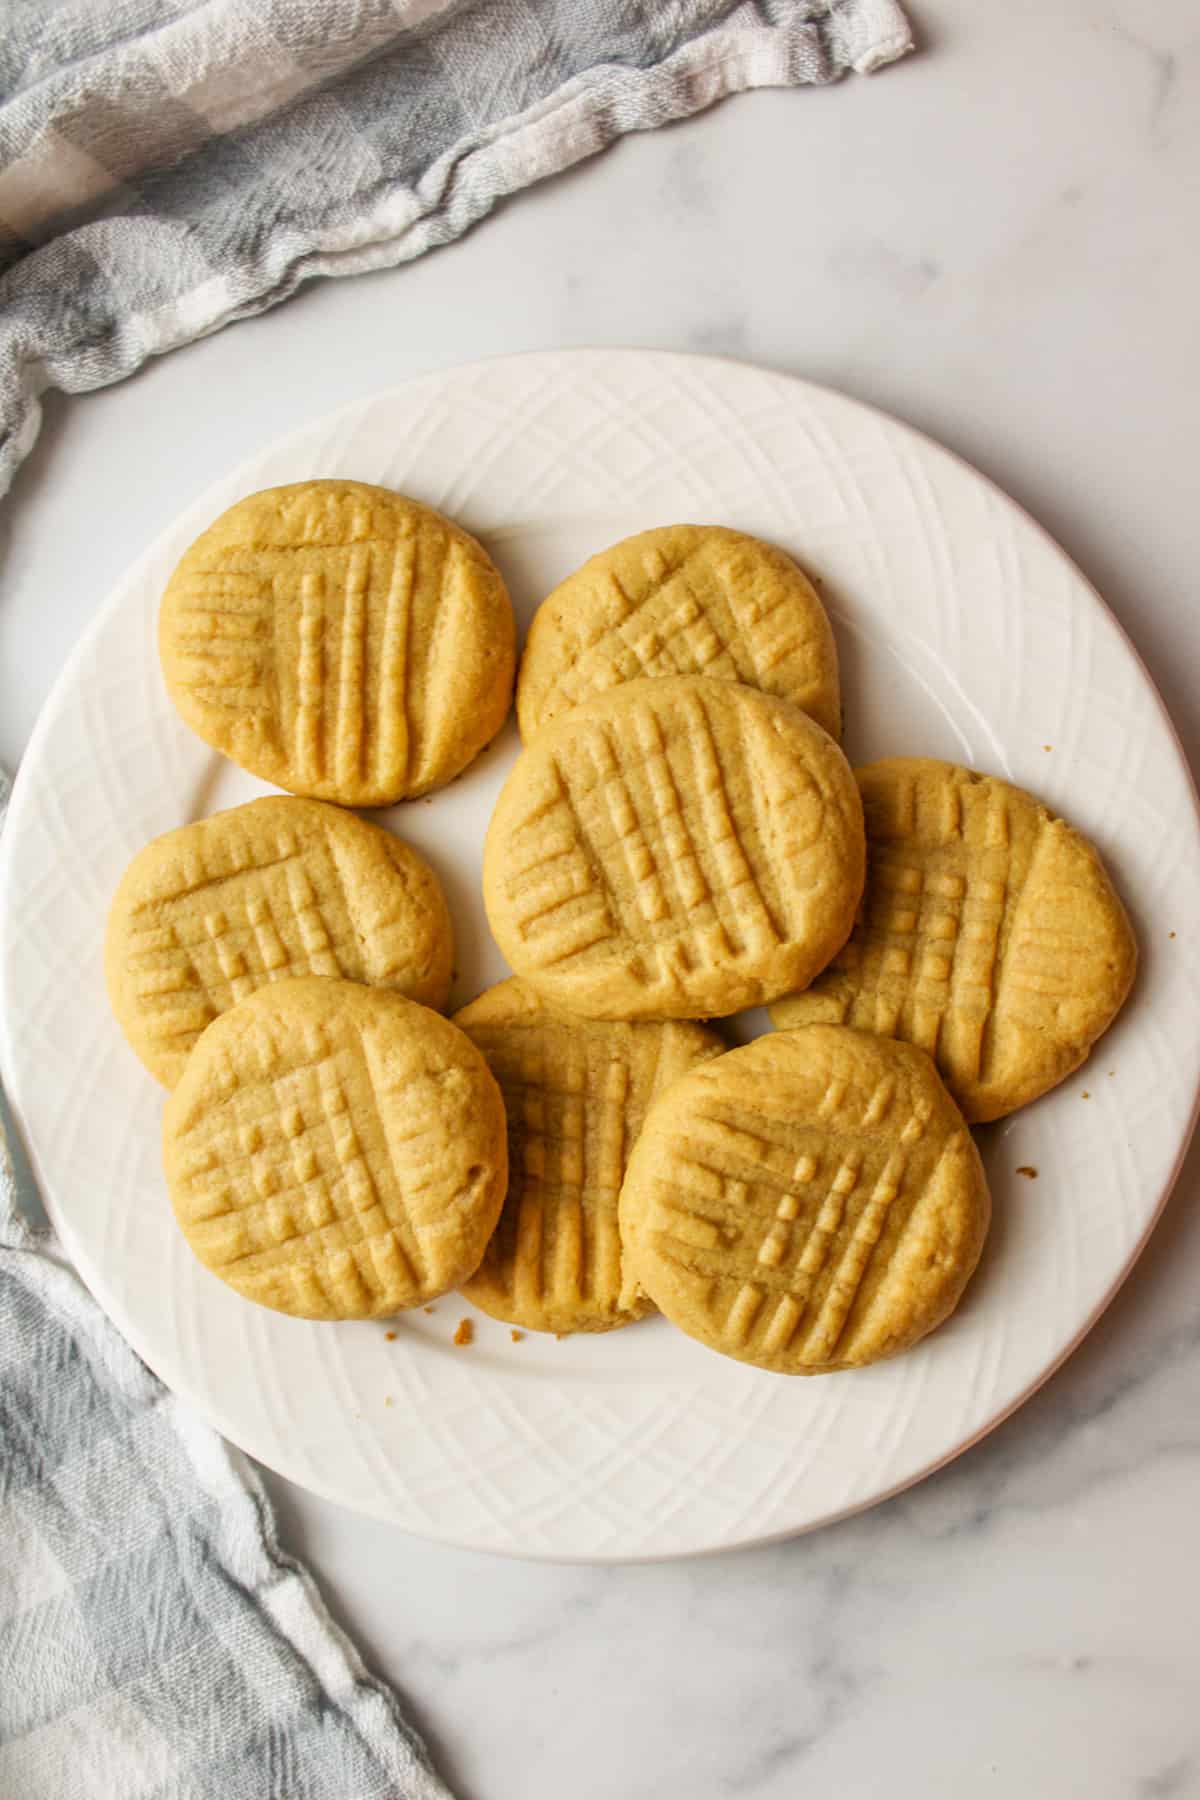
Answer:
[(964, 633)]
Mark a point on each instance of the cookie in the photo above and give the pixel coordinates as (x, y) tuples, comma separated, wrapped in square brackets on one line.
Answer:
[(675, 849), (813, 1201), (340, 641), (336, 1151), (208, 913), (576, 1092), (682, 600), (990, 935)]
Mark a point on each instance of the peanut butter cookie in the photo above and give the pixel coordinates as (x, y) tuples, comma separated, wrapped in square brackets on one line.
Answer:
[(280, 887), (576, 1092), (340, 641), (681, 600), (990, 935), (336, 1151), (813, 1201), (675, 849)]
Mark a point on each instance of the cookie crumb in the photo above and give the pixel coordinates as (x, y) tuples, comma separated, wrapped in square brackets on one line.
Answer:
[(427, 1309), (1047, 746), (1170, 934), (516, 1336), (465, 1333), (389, 1337), (1028, 1170), (1086, 1095), (387, 1399)]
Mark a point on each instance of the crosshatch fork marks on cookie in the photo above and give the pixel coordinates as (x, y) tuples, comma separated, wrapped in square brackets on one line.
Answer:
[(335, 1151), (341, 1195), (219, 939), (569, 1108), (989, 935), (963, 904), (811, 1201), (576, 1093), (341, 641), (280, 887), (681, 600), (689, 885), (694, 834), (236, 927), (317, 654), (560, 1248)]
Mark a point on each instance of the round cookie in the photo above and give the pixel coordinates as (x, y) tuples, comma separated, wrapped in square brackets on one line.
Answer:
[(813, 1201), (340, 641), (990, 935), (336, 1151), (576, 1092), (279, 887), (681, 600), (675, 849)]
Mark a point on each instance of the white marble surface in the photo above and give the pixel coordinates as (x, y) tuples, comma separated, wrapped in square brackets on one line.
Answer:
[(997, 241)]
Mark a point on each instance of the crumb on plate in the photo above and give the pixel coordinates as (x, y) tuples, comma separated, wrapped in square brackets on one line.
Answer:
[(465, 1333), (516, 1336), (389, 1337), (1028, 1170)]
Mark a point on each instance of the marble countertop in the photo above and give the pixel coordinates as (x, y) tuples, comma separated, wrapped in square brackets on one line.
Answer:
[(996, 240)]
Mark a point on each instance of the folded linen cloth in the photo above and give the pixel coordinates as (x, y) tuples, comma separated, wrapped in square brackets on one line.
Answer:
[(168, 166)]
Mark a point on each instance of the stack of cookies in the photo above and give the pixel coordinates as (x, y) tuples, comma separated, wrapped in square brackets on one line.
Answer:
[(680, 838)]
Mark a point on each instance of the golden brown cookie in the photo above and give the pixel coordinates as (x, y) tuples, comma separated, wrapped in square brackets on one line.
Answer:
[(990, 935), (279, 887), (675, 849), (812, 1201), (681, 600), (340, 641), (336, 1151), (576, 1092)]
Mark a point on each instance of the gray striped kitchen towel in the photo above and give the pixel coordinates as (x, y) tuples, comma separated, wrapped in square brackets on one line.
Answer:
[(168, 166)]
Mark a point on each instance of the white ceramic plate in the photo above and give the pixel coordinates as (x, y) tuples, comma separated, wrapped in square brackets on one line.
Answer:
[(964, 633)]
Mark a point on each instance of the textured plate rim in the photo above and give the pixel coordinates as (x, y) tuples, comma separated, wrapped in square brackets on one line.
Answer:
[(44, 725)]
